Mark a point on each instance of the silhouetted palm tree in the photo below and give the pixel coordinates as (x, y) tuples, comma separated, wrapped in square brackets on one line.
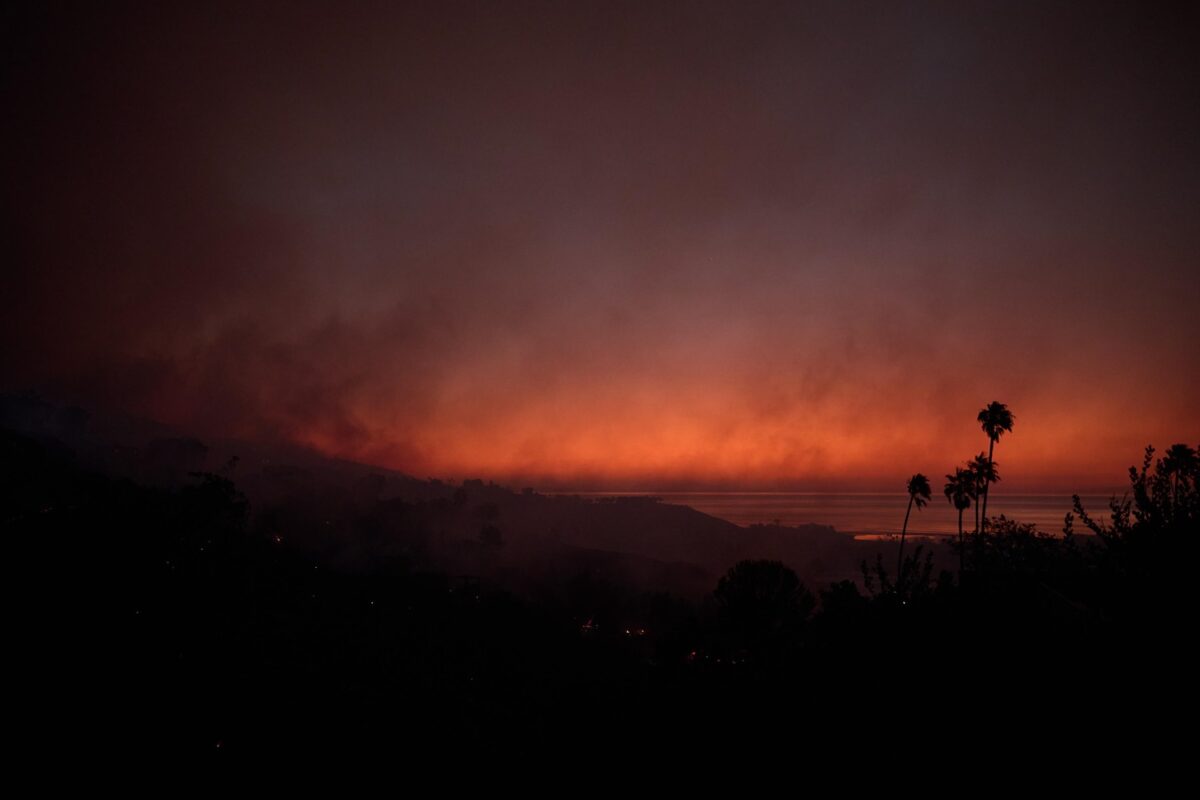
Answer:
[(977, 466), (995, 420), (983, 469), (960, 491), (919, 493), (1180, 461)]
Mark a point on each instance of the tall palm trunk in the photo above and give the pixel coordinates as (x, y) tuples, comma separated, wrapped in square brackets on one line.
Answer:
[(903, 531), (988, 483), (961, 546), (976, 504)]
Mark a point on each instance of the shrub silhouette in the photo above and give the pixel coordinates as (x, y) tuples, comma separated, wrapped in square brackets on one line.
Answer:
[(1150, 535), (913, 577)]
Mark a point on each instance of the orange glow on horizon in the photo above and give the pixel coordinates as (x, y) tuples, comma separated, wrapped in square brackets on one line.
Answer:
[(661, 446), (711, 250)]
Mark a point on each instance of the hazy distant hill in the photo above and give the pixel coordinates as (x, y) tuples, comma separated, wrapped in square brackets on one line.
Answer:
[(362, 517)]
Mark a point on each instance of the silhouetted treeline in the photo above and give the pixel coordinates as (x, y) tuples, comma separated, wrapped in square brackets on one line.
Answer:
[(177, 615)]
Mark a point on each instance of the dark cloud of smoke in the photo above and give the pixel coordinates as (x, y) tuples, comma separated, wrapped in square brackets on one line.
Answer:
[(613, 244)]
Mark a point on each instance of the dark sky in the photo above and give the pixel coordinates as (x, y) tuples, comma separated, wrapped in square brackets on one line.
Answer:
[(615, 245)]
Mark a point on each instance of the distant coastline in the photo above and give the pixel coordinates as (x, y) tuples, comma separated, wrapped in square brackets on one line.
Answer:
[(856, 513)]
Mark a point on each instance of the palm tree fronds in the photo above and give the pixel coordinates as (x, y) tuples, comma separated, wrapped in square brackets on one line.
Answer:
[(996, 419)]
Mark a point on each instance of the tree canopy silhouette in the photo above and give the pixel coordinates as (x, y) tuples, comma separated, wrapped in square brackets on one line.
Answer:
[(763, 601), (919, 493), (960, 490), (985, 471), (995, 419)]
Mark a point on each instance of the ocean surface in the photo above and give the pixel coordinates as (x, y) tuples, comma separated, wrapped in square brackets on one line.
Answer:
[(870, 514)]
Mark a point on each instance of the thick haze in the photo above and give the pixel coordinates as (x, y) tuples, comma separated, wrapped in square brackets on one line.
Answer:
[(617, 245)]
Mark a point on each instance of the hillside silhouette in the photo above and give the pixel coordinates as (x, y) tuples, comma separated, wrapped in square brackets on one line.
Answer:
[(338, 606)]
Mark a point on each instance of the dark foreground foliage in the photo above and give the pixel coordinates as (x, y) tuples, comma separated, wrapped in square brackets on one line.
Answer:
[(149, 618)]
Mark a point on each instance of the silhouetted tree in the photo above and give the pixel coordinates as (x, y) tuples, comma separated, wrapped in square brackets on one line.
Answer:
[(995, 419), (1165, 504), (1009, 547), (984, 471), (960, 491), (1180, 463), (1143, 562), (912, 577), (764, 601), (919, 493)]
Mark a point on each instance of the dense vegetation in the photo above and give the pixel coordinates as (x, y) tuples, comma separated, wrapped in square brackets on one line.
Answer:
[(168, 617)]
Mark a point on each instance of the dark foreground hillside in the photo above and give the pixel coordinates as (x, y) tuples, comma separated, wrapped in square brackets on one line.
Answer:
[(151, 617)]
